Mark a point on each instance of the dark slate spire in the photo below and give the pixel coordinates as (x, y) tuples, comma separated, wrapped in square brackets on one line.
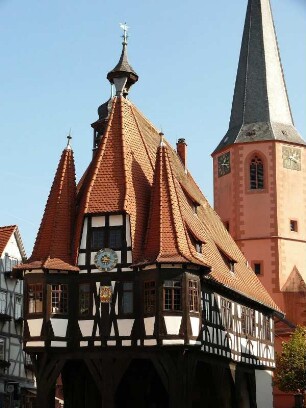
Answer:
[(260, 109), (123, 76)]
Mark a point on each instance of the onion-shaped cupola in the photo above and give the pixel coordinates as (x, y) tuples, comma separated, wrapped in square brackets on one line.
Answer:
[(123, 75)]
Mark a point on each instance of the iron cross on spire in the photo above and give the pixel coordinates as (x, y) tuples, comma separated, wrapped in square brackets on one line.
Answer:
[(125, 30)]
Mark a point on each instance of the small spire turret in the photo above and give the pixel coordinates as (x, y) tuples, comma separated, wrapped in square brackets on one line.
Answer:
[(123, 75)]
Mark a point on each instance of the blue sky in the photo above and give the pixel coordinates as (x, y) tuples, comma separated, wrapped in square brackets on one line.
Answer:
[(54, 59)]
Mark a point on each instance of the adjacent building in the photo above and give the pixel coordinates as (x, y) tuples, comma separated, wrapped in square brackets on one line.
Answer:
[(135, 292), (16, 374), (260, 174)]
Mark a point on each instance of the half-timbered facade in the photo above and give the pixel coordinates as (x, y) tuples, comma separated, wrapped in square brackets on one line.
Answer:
[(16, 374), (135, 292)]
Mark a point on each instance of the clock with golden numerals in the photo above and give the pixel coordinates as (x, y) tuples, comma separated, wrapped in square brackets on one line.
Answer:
[(224, 164), (106, 259), (292, 158)]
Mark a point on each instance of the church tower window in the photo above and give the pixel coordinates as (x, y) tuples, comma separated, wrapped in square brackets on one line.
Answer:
[(256, 174)]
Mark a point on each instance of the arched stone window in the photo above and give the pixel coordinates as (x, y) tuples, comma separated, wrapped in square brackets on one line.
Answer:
[(256, 173)]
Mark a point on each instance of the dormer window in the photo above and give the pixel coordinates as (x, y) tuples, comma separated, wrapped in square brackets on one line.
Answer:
[(107, 237), (229, 262)]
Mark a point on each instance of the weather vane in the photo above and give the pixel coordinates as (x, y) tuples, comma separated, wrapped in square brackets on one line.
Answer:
[(125, 30), (69, 137)]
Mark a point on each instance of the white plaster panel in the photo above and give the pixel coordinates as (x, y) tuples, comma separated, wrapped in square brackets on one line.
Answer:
[(83, 343), (111, 342), (126, 342), (264, 397), (173, 324), (35, 326), (194, 343), (59, 327), (93, 305), (128, 232), (86, 327), (195, 325), (83, 271), (37, 271), (150, 342), (127, 270), (35, 344), (129, 257), (173, 342), (116, 305), (112, 333), (98, 221), (149, 323), (84, 235), (97, 343), (119, 257), (58, 343), (95, 271), (82, 259), (115, 220), (125, 326), (92, 259)]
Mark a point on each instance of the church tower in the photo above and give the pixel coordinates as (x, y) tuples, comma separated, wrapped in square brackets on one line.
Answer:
[(260, 166)]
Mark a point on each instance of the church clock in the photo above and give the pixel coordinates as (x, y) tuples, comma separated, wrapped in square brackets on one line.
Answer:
[(291, 158), (224, 164)]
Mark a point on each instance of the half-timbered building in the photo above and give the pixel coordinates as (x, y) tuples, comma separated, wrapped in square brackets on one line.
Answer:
[(135, 292), (16, 373)]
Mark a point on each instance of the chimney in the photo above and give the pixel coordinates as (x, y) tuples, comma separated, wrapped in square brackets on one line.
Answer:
[(181, 148)]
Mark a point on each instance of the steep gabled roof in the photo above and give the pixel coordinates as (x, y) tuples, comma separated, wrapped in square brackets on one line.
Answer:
[(131, 173), (260, 109), (5, 234), (53, 241)]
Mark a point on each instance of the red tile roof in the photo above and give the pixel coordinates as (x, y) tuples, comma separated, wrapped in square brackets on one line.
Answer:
[(5, 235), (120, 179), (54, 239), (167, 237)]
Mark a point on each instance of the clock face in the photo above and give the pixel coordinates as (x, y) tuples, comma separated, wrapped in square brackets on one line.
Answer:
[(224, 164), (106, 259), (292, 158)]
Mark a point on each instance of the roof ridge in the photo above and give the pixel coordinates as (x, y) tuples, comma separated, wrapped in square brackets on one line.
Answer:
[(124, 151)]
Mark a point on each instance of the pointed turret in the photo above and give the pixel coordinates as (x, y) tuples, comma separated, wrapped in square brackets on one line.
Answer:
[(260, 109), (53, 241), (123, 75), (167, 238)]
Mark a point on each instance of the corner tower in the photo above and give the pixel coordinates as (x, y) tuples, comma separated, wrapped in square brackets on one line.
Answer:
[(259, 168)]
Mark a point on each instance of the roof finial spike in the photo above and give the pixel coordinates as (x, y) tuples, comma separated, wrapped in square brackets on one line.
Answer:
[(125, 34), (162, 143), (69, 137)]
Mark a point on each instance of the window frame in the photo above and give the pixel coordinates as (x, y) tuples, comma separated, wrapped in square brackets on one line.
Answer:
[(124, 295), (37, 300), (227, 315), (193, 295), (149, 297), (63, 299), (173, 289), (87, 300), (256, 180)]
